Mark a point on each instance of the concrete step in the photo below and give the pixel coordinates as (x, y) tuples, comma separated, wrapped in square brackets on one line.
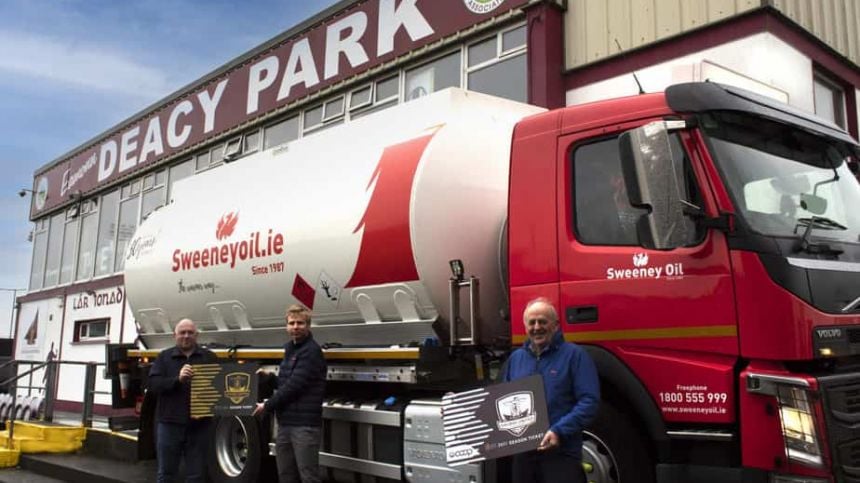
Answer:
[(84, 468)]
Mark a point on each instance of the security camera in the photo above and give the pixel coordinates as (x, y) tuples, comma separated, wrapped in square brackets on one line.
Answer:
[(22, 193)]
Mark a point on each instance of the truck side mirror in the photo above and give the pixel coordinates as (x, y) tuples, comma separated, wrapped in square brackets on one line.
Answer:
[(654, 185)]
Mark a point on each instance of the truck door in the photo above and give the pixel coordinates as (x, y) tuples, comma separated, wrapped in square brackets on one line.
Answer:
[(668, 315)]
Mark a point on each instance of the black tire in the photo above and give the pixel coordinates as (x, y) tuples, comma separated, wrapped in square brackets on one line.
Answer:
[(239, 451), (614, 450)]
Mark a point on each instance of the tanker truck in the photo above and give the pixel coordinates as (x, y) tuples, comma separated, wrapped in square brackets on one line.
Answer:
[(702, 243)]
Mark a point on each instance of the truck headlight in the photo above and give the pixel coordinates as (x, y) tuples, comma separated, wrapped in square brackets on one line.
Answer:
[(798, 426)]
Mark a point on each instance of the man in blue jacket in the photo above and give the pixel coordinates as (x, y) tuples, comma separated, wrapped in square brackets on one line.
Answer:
[(178, 434), (298, 402), (572, 393)]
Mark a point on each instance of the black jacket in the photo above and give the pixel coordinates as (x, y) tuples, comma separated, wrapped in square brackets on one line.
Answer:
[(174, 397), (301, 385)]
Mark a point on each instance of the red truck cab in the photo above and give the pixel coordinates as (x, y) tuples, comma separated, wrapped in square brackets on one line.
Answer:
[(704, 245)]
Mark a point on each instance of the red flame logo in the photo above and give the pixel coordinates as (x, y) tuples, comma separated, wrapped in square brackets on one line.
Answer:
[(226, 225)]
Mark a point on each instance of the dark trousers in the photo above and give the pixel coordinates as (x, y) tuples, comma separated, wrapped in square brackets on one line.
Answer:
[(297, 453), (176, 440), (547, 467)]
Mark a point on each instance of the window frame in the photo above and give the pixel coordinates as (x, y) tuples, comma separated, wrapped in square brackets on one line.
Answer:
[(838, 97), (80, 325)]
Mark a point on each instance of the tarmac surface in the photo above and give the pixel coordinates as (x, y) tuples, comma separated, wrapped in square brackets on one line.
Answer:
[(48, 468)]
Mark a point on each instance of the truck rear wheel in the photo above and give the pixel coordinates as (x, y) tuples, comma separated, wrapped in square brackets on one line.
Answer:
[(238, 450), (614, 451)]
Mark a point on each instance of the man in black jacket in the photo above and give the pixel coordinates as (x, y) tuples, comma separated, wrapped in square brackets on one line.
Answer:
[(178, 434), (298, 402)]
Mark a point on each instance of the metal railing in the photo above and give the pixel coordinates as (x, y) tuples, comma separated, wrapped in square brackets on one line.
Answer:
[(16, 408)]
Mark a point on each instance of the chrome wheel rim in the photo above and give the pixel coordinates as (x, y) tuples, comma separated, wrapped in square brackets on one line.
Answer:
[(598, 461), (231, 446)]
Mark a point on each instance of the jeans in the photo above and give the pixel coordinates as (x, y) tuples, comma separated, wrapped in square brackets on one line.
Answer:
[(297, 454), (550, 466), (174, 441)]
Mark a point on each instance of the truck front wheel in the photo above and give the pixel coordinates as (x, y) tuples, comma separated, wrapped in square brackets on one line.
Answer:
[(614, 451), (237, 451)]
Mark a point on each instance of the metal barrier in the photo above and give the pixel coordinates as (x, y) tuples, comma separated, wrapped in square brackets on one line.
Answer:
[(14, 406)]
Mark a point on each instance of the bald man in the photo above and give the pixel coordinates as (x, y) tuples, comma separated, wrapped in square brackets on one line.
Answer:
[(572, 392), (178, 435)]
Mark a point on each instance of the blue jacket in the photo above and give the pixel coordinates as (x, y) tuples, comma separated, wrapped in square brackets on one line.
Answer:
[(174, 397), (301, 385), (570, 383)]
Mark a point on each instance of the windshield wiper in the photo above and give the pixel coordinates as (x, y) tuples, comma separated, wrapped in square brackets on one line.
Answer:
[(823, 223), (820, 222)]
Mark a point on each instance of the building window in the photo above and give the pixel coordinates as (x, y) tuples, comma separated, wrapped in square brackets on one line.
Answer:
[(374, 97), (70, 240), (178, 172), (55, 245), (90, 330), (387, 90), (201, 162), (154, 193), (497, 65), (281, 132), (313, 117), (107, 233), (252, 141), (514, 39), (361, 97), (87, 244), (829, 100), (326, 114), (129, 209), (216, 155), (40, 247), (333, 109), (434, 76)]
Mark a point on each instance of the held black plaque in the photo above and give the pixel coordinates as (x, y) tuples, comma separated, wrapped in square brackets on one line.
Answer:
[(223, 390), (494, 421)]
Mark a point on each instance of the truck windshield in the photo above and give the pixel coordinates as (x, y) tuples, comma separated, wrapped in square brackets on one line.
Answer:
[(782, 178)]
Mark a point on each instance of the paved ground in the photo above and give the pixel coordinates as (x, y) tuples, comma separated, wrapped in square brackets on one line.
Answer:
[(17, 475), (78, 468)]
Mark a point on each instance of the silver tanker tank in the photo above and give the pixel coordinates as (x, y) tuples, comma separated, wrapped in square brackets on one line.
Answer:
[(357, 222)]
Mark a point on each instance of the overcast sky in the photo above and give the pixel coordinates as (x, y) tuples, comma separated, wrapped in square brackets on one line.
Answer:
[(71, 69)]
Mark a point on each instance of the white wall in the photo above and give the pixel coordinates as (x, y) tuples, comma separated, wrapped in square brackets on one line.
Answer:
[(760, 62), (106, 303), (45, 317)]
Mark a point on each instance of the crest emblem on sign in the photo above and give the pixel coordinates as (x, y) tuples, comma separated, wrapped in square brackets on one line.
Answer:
[(482, 6), (237, 386), (516, 412)]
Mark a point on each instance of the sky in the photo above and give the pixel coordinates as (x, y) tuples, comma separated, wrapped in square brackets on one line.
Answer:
[(71, 69)]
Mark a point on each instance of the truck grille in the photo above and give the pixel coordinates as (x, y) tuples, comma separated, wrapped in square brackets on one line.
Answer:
[(845, 404), (853, 336), (842, 414), (849, 456)]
